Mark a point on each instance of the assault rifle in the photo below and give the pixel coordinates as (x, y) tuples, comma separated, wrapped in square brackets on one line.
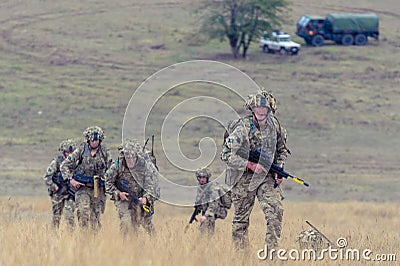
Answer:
[(63, 186), (196, 211), (88, 180), (91, 181), (265, 160), (124, 186)]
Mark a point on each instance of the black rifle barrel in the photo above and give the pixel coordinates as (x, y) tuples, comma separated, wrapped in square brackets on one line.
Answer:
[(265, 161), (313, 227), (194, 214)]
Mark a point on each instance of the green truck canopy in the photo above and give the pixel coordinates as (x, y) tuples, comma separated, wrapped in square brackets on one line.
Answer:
[(353, 22)]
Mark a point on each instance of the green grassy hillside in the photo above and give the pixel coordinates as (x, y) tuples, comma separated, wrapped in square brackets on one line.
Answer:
[(65, 65)]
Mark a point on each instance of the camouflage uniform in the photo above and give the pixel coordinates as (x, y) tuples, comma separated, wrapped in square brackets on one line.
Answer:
[(212, 204), (248, 185), (89, 207), (60, 201), (143, 182), (311, 239)]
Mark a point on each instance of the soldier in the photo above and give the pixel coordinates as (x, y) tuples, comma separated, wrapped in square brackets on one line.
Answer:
[(132, 182), (58, 188), (311, 239), (213, 201), (91, 160), (260, 130)]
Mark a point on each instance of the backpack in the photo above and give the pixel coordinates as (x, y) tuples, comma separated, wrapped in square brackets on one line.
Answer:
[(86, 151), (150, 154), (232, 124)]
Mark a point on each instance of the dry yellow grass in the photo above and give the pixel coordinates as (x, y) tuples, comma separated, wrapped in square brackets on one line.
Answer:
[(26, 237)]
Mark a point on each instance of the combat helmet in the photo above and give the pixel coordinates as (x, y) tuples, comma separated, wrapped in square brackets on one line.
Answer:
[(67, 145), (129, 148), (262, 98), (203, 172), (310, 239), (94, 133)]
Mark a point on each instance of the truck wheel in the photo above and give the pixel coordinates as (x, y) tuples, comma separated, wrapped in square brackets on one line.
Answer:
[(347, 39), (282, 51), (266, 49), (360, 39), (317, 40)]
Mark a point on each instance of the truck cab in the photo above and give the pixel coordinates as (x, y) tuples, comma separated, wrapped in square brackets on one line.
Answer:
[(309, 26)]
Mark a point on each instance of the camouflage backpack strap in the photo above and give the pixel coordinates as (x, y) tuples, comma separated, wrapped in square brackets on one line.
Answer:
[(282, 132), (103, 154), (232, 125), (248, 123), (117, 165), (85, 151), (59, 160)]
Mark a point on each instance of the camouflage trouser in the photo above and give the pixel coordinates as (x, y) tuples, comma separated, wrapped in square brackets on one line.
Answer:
[(243, 201), (57, 206), (69, 210), (130, 219), (208, 226), (58, 203), (90, 208)]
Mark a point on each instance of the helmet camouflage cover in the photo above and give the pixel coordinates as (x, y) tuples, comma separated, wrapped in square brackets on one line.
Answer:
[(262, 98), (94, 133), (130, 148), (67, 145), (310, 239), (203, 172)]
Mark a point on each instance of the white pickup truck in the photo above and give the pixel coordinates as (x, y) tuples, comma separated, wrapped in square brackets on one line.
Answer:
[(279, 42)]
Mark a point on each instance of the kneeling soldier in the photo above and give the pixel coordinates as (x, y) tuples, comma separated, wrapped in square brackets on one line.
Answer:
[(212, 200)]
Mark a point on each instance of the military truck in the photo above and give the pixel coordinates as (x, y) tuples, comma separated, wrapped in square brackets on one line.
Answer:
[(346, 29)]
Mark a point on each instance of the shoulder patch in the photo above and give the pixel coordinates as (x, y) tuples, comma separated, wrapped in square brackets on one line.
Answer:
[(117, 164), (252, 126)]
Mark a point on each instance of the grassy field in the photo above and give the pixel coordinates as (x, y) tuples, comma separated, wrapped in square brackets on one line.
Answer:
[(27, 238), (65, 65)]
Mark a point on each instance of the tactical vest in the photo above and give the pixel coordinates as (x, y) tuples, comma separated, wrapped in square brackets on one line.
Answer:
[(255, 137), (136, 174), (92, 165), (59, 160)]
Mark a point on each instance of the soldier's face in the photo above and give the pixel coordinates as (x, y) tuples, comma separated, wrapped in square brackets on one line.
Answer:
[(130, 161), (202, 180), (94, 143), (260, 113)]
